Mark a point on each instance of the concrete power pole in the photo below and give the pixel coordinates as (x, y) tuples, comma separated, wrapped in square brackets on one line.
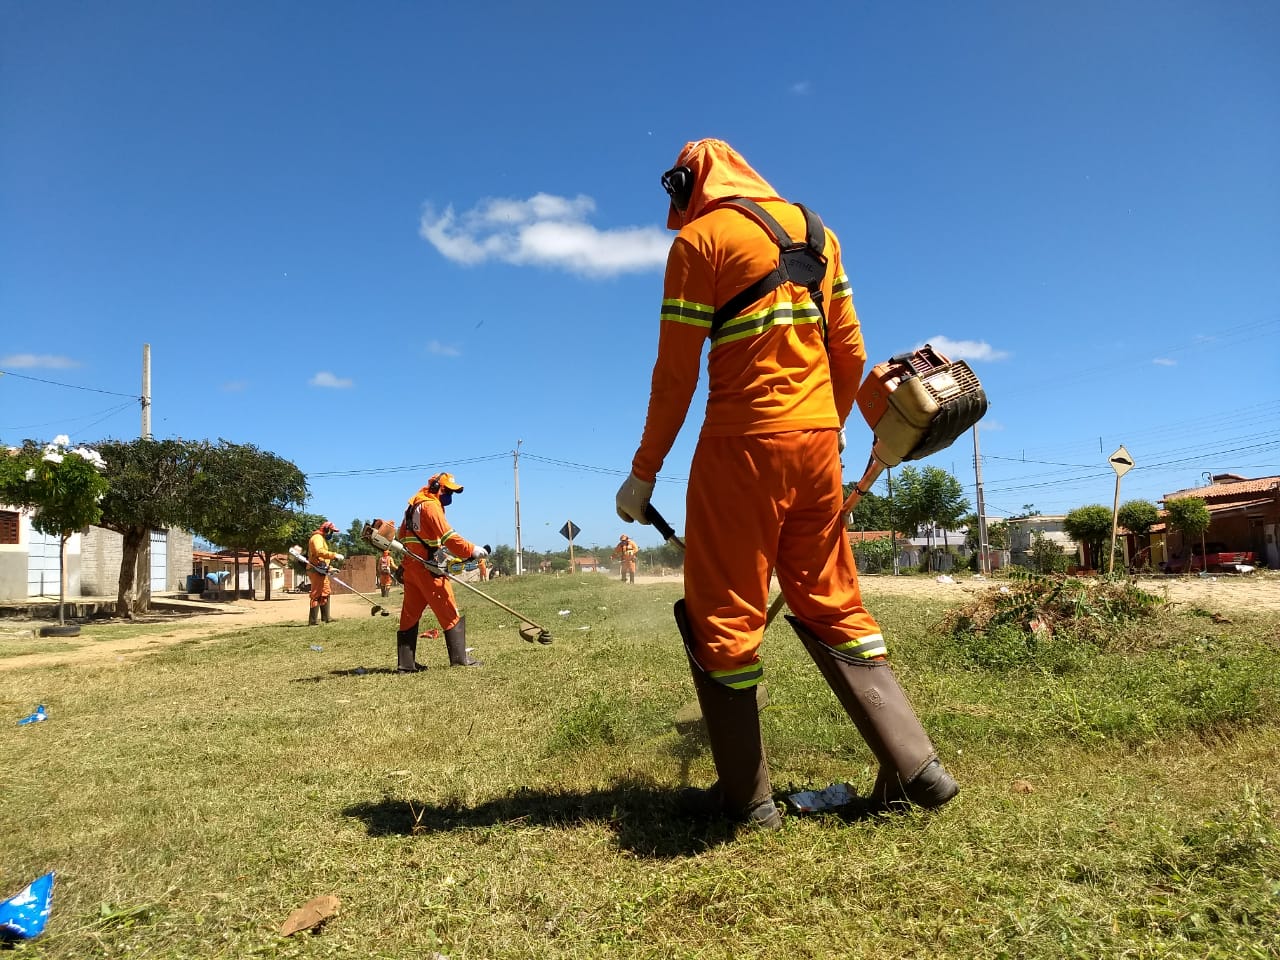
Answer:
[(519, 547), (146, 391), (984, 560)]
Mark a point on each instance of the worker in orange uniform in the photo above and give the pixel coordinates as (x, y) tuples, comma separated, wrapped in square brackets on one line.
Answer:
[(482, 566), (319, 556), (426, 533), (764, 495), (386, 572), (625, 552)]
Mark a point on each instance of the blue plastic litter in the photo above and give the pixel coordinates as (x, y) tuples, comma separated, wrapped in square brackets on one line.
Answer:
[(35, 717), (24, 915), (218, 576)]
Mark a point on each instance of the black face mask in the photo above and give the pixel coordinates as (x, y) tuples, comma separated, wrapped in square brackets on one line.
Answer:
[(446, 497)]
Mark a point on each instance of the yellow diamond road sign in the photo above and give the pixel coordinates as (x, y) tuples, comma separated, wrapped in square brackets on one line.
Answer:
[(1121, 462)]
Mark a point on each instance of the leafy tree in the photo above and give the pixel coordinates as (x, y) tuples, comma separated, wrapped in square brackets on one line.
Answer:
[(873, 512), (997, 533), (63, 489), (352, 544), (1138, 517), (1190, 517), (1090, 526), (152, 488), (503, 559), (925, 499), (873, 556), (247, 500), (1047, 556)]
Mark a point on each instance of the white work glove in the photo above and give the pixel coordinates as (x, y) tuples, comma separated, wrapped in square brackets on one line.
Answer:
[(633, 497), (842, 441), (338, 558), (479, 552)]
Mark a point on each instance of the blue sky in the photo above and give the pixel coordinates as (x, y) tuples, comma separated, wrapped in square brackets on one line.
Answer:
[(389, 238)]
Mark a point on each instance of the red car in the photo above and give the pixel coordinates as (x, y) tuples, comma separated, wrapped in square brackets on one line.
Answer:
[(1215, 558)]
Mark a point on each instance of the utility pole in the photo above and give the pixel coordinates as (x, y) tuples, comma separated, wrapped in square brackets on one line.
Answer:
[(519, 548), (984, 561), (146, 391), (893, 533)]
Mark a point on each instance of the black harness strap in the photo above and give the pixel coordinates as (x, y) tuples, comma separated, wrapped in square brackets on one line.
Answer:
[(801, 263)]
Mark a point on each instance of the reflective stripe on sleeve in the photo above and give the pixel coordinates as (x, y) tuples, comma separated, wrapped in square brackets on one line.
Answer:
[(686, 311), (841, 287)]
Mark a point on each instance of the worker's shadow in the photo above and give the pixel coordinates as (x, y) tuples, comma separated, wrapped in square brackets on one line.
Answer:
[(353, 672), (644, 817)]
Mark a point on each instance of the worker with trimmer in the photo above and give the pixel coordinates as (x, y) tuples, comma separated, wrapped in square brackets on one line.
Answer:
[(764, 494), (426, 532), (625, 552), (319, 556)]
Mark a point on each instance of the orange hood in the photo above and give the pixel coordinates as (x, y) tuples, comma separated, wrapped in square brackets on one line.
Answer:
[(719, 172), (423, 494)]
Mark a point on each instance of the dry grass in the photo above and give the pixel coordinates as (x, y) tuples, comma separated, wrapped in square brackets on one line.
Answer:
[(191, 799)]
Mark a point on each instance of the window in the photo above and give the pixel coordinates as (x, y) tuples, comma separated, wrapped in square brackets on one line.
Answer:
[(8, 526)]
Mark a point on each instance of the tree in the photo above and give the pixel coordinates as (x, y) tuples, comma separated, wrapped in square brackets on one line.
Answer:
[(62, 487), (247, 502), (353, 544), (1138, 517), (873, 512), (1046, 555), (925, 499), (1090, 526), (1190, 517), (997, 533), (151, 489)]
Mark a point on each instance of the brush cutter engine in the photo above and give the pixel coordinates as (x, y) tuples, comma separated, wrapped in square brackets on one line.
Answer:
[(919, 403)]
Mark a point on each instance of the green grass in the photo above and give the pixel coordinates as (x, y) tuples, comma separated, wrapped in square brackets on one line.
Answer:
[(1119, 798)]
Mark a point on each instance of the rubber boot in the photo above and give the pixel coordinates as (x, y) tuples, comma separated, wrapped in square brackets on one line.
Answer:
[(407, 651), (743, 792), (455, 642), (324, 610), (312, 616), (910, 771)]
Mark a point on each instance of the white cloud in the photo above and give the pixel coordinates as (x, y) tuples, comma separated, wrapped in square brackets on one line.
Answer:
[(801, 88), (326, 379), (966, 349), (1164, 362), (43, 360), (442, 350), (546, 231), (234, 386)]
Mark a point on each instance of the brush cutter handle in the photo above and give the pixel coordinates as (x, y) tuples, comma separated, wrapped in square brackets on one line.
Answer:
[(659, 521)]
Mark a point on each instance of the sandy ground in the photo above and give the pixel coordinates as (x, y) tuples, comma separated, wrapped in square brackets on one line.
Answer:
[(1257, 592)]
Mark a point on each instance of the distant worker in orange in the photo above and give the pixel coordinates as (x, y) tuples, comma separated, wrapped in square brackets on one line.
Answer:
[(625, 552), (764, 496), (386, 572), (482, 565), (426, 533), (319, 557)]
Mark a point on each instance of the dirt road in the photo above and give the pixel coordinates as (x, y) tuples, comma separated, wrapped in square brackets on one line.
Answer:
[(1258, 591)]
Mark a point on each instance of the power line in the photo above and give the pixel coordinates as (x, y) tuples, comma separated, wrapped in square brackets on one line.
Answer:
[(69, 386)]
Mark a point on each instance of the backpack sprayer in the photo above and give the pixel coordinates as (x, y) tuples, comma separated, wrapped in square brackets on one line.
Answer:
[(381, 534), (915, 404)]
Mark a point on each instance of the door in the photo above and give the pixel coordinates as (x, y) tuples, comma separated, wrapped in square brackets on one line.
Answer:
[(159, 561), (43, 578)]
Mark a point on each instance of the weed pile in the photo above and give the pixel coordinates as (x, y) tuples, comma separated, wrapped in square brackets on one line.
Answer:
[(1034, 614)]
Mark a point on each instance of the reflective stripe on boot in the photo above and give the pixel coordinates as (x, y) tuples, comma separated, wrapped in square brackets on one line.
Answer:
[(910, 771), (742, 792), (455, 642)]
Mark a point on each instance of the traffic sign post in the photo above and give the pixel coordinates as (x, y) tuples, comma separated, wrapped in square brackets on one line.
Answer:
[(569, 531), (1121, 463)]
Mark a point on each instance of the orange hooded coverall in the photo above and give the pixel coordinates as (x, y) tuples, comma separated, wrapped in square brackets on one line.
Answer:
[(427, 528), (764, 490), (319, 552)]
